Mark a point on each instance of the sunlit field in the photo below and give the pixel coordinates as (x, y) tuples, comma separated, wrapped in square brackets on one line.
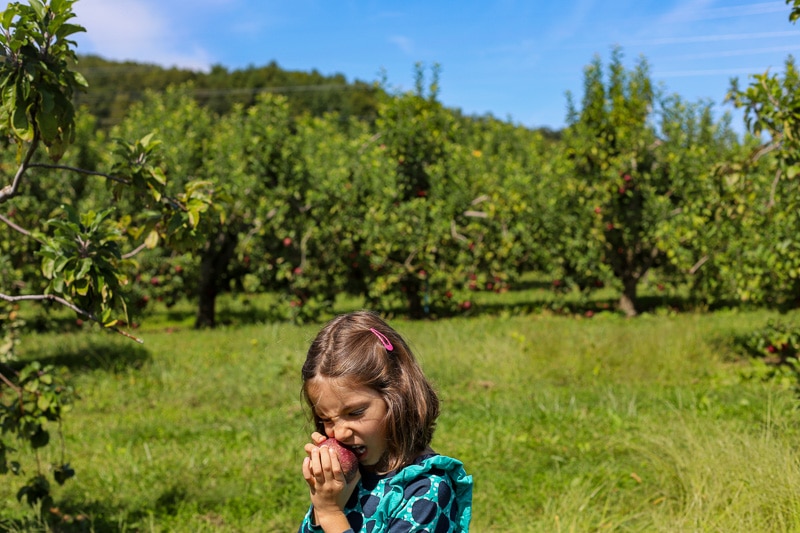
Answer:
[(567, 423)]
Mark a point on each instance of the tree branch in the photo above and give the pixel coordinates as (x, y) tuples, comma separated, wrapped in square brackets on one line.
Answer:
[(80, 171), (10, 383), (771, 202), (767, 148), (454, 232), (62, 301), (11, 190), (19, 229), (135, 251), (697, 265)]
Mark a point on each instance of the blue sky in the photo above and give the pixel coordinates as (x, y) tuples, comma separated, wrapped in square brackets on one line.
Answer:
[(513, 59)]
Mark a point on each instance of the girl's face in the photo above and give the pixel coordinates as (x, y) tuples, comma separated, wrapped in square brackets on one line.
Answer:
[(353, 415)]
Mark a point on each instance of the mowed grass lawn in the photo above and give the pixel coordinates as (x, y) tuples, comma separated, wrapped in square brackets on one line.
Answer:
[(566, 423)]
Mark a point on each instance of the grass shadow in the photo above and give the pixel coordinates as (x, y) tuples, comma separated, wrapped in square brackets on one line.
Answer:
[(70, 516), (93, 354)]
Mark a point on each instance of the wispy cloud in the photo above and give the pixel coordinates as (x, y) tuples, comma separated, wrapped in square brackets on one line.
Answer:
[(741, 71), (735, 53), (748, 10), (405, 44), (572, 22), (685, 12), (716, 38)]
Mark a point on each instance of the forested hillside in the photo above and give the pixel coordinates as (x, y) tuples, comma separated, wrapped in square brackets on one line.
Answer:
[(115, 85)]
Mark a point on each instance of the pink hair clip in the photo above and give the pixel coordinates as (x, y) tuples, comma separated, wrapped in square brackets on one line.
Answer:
[(383, 339)]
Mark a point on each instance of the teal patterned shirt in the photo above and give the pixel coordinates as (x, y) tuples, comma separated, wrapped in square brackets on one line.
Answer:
[(433, 495)]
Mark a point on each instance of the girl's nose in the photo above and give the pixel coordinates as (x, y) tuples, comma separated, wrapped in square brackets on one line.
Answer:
[(341, 431)]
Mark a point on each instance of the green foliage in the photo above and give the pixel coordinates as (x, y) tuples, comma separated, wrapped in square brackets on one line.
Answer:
[(81, 249), (82, 260), (795, 14), (778, 342), (770, 104), (36, 81)]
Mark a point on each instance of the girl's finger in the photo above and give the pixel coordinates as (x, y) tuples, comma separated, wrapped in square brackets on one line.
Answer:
[(309, 448), (316, 466), (307, 474), (325, 461), (336, 466)]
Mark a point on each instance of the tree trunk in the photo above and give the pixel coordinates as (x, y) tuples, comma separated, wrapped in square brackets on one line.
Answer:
[(213, 267), (413, 299), (627, 302)]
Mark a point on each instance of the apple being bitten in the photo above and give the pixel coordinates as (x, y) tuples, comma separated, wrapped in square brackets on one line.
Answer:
[(347, 458)]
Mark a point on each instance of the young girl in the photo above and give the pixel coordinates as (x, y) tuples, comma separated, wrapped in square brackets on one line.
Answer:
[(366, 390)]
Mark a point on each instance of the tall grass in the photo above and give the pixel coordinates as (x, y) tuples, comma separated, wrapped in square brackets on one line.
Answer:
[(566, 424)]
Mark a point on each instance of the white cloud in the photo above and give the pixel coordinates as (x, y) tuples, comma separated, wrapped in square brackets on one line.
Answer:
[(403, 43), (135, 30)]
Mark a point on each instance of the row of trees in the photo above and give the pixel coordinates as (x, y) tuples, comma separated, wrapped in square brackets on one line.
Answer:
[(418, 209), (420, 206), (412, 209)]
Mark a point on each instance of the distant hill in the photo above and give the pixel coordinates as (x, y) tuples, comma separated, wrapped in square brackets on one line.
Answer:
[(114, 85)]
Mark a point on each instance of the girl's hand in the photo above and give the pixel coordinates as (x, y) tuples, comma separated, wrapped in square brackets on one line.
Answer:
[(323, 473)]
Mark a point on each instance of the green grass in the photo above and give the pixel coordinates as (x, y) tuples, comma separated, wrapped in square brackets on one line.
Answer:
[(566, 424)]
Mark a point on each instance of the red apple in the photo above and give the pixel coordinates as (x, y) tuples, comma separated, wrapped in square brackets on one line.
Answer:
[(347, 458), (287, 241)]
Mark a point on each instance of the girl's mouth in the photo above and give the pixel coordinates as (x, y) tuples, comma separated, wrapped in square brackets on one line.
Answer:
[(359, 451)]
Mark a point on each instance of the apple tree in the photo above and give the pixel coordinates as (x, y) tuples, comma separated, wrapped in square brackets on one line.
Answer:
[(83, 255), (615, 197), (706, 224), (408, 226), (771, 103), (625, 181)]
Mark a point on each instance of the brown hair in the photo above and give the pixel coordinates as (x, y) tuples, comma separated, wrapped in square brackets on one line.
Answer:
[(346, 348)]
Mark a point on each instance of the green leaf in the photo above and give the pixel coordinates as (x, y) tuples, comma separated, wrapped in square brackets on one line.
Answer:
[(66, 30), (79, 79), (8, 17), (43, 402), (152, 240), (38, 7), (48, 268), (20, 124), (48, 126)]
